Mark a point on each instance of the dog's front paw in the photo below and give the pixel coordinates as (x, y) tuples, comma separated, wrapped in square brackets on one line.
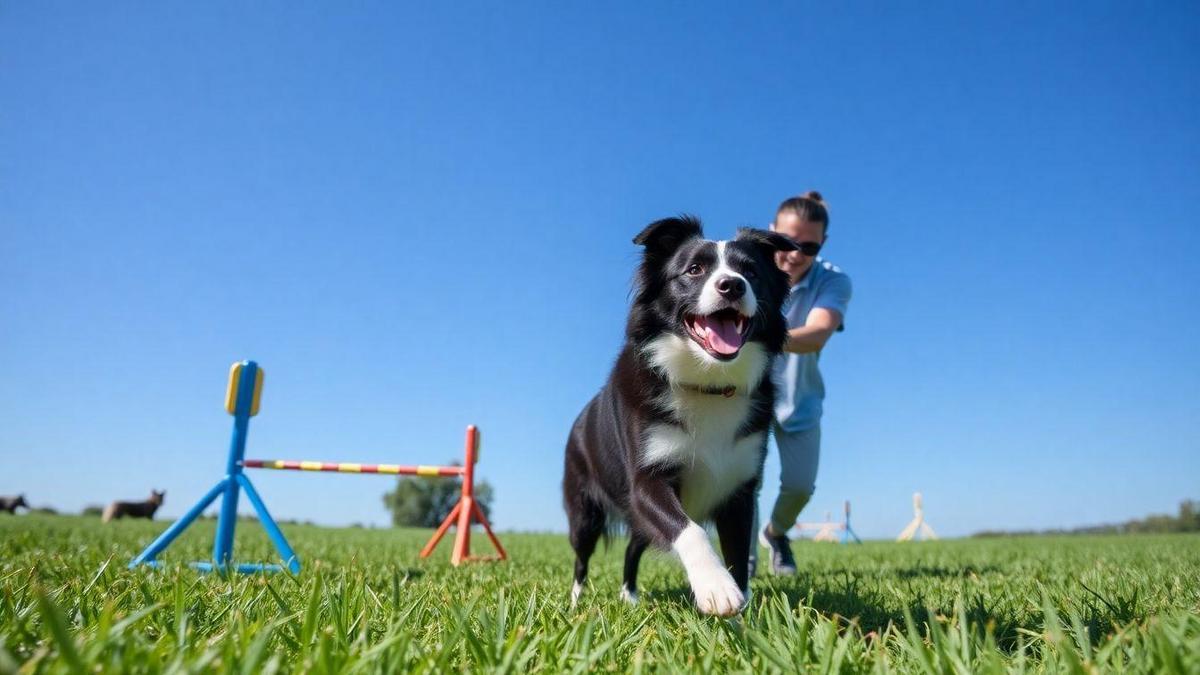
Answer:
[(716, 593)]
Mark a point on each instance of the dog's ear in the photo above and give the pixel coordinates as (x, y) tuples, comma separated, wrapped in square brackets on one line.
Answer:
[(766, 241), (663, 237)]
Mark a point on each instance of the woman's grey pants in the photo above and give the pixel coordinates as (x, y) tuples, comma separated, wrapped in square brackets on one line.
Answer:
[(799, 454)]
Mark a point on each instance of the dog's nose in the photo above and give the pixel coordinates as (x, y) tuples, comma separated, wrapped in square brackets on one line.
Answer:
[(731, 287)]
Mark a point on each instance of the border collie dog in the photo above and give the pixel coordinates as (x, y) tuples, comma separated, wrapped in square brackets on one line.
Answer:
[(678, 434)]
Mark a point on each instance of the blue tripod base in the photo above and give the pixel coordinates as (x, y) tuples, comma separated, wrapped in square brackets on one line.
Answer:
[(223, 545), (241, 401), (244, 568)]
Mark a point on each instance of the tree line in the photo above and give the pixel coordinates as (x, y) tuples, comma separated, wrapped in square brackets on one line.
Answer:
[(1187, 520)]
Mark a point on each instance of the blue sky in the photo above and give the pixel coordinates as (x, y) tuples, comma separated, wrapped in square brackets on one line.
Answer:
[(419, 217)]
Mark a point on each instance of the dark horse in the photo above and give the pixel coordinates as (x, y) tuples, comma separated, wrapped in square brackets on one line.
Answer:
[(144, 509), (10, 504)]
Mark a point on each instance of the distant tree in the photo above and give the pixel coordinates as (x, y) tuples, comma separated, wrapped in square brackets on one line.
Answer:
[(1189, 516), (92, 510), (45, 510), (1188, 520), (425, 502)]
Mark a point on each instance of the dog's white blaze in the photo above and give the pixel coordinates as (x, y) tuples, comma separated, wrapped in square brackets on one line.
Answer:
[(710, 300), (712, 585)]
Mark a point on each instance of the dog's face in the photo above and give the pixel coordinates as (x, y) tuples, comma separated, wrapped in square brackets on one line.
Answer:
[(156, 497), (721, 296)]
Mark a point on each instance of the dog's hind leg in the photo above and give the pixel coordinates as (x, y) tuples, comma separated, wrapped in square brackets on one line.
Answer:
[(633, 557), (587, 522)]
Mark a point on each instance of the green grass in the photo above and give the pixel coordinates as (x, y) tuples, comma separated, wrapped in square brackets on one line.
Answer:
[(364, 603)]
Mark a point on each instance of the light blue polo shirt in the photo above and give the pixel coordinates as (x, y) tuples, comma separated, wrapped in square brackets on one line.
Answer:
[(799, 389)]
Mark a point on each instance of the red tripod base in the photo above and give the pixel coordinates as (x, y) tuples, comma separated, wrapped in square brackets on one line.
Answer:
[(463, 513)]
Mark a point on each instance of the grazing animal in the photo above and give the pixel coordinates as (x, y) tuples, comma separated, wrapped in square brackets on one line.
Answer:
[(678, 434), (11, 504), (144, 509)]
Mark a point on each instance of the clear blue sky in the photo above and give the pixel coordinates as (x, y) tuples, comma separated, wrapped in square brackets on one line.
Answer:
[(419, 217)]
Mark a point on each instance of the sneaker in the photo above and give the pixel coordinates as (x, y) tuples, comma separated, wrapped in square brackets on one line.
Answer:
[(782, 562)]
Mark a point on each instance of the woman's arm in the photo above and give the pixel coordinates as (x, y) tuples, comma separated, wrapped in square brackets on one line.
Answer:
[(811, 337)]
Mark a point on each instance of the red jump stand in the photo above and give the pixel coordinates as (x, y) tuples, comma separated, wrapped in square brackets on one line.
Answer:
[(466, 511)]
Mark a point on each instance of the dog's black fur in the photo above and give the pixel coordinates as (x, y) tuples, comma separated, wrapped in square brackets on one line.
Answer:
[(637, 450)]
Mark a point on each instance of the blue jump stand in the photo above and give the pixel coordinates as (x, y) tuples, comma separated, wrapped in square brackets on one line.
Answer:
[(241, 401), (847, 531)]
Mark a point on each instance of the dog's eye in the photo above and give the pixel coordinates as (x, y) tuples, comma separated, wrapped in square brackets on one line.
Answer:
[(695, 270), (750, 274)]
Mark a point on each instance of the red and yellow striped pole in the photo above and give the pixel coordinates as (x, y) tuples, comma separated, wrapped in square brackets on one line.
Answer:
[(463, 513), (351, 467)]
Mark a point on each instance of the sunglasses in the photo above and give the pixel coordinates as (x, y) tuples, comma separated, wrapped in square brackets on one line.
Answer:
[(808, 248)]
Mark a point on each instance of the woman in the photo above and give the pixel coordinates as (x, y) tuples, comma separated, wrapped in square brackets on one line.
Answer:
[(815, 308)]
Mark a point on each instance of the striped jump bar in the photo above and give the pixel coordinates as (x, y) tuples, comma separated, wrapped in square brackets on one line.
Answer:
[(350, 467)]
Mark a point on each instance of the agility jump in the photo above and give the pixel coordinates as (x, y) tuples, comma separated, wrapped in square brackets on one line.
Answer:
[(242, 400), (828, 530)]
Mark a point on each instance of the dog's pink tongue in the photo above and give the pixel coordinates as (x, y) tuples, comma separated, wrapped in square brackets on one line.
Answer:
[(723, 335)]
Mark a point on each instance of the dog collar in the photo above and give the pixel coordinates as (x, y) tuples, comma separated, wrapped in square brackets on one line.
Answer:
[(727, 391)]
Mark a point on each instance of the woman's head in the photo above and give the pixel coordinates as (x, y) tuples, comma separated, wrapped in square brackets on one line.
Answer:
[(805, 220)]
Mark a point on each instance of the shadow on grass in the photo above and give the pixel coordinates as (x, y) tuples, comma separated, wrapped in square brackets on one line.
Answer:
[(871, 610), (921, 571)]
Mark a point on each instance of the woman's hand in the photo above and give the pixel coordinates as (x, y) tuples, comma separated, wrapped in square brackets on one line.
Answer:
[(820, 324)]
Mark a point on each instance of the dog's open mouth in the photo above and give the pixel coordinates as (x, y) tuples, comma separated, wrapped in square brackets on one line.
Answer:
[(721, 333)]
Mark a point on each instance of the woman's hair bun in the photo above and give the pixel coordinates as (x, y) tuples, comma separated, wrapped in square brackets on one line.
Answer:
[(808, 206)]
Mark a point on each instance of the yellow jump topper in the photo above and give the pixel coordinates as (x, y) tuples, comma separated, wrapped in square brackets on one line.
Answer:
[(231, 394)]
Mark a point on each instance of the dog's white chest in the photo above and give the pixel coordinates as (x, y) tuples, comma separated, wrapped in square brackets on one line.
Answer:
[(713, 462)]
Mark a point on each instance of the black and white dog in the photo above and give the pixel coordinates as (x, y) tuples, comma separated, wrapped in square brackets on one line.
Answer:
[(678, 433)]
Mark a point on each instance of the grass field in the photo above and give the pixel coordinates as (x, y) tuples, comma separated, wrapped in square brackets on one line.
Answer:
[(365, 604)]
